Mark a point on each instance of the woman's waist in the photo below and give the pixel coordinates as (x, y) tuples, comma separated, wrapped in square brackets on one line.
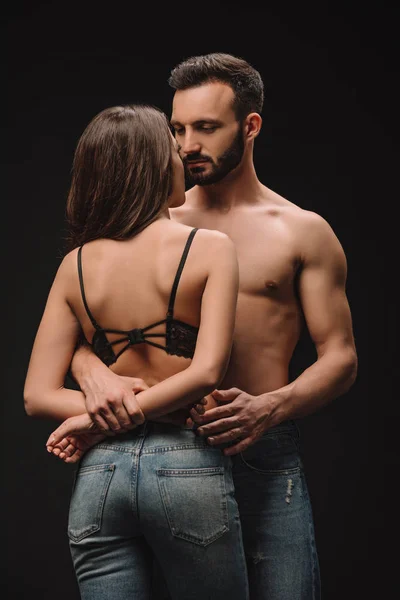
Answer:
[(157, 436)]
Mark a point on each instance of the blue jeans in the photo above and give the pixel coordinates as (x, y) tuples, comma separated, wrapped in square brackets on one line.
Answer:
[(276, 516), (158, 491)]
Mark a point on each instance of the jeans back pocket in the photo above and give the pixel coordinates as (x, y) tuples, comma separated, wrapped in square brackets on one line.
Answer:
[(87, 501), (195, 503)]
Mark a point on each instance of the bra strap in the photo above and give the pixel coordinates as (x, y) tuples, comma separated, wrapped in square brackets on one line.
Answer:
[(91, 317), (179, 272)]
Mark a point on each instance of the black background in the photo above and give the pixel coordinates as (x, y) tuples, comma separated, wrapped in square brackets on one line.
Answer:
[(329, 143)]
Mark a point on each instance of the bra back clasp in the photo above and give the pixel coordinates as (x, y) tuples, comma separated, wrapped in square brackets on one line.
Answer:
[(135, 336)]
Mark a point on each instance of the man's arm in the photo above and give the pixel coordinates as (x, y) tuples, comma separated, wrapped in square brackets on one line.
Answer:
[(326, 310)]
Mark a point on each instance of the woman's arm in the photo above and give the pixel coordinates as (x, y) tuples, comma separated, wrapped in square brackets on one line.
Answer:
[(54, 345), (53, 348)]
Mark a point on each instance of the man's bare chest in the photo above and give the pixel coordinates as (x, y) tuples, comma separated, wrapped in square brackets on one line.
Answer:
[(266, 250)]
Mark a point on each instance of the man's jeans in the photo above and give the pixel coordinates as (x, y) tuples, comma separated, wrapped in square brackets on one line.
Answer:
[(158, 490), (276, 517)]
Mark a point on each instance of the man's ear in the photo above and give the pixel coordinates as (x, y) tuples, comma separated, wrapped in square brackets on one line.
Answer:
[(252, 125)]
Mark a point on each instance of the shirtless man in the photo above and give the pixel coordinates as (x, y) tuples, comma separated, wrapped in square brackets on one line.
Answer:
[(292, 272)]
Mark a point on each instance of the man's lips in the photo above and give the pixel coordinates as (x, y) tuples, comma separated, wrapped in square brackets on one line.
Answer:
[(195, 162)]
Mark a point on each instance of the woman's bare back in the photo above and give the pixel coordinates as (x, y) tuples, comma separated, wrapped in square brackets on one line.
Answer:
[(128, 285)]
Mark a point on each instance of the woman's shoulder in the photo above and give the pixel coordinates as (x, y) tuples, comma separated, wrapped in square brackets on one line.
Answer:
[(68, 262), (215, 240), (90, 252), (202, 236), (69, 265), (213, 247), (207, 236)]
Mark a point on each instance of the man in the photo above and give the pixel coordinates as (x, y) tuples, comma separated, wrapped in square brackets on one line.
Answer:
[(292, 271)]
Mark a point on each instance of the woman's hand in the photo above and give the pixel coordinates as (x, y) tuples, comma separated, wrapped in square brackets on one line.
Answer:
[(74, 437), (72, 448), (111, 402), (198, 410)]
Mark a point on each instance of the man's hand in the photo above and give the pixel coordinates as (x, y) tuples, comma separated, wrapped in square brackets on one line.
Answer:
[(239, 417), (111, 402)]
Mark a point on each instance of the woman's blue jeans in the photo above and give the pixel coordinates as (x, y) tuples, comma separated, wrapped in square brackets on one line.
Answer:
[(158, 491)]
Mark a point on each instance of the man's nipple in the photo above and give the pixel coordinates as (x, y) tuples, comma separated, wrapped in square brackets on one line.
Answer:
[(271, 286)]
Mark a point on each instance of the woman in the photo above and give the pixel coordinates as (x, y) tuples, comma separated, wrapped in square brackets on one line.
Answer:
[(154, 298)]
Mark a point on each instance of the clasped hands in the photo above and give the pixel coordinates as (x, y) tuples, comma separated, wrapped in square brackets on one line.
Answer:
[(225, 416)]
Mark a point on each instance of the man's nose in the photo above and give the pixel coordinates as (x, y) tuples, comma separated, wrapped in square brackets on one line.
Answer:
[(190, 144)]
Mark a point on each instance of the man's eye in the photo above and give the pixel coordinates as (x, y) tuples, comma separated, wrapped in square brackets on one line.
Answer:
[(179, 131), (208, 129)]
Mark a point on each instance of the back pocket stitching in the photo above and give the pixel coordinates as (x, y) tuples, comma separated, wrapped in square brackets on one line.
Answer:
[(193, 473), (95, 526)]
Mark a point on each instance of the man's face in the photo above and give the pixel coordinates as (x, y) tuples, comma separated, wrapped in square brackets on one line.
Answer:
[(208, 132)]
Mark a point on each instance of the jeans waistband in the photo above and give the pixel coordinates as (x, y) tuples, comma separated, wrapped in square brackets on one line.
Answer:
[(289, 426), (156, 435)]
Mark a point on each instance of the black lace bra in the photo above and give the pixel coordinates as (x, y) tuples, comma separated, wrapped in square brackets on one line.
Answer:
[(180, 337)]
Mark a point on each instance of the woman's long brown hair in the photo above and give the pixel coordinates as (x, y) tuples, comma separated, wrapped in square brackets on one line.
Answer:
[(121, 174)]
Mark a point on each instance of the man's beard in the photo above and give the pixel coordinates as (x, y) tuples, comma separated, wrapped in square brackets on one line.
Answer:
[(228, 161)]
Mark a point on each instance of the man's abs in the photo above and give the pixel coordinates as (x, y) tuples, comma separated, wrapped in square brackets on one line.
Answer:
[(266, 334)]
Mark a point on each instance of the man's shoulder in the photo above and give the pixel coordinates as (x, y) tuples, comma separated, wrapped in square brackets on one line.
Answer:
[(288, 210), (309, 230), (313, 233)]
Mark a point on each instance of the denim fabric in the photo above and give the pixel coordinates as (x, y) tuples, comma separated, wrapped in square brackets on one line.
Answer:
[(276, 517), (158, 491)]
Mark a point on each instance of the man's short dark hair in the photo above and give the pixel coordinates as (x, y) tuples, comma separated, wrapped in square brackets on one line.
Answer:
[(242, 77)]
